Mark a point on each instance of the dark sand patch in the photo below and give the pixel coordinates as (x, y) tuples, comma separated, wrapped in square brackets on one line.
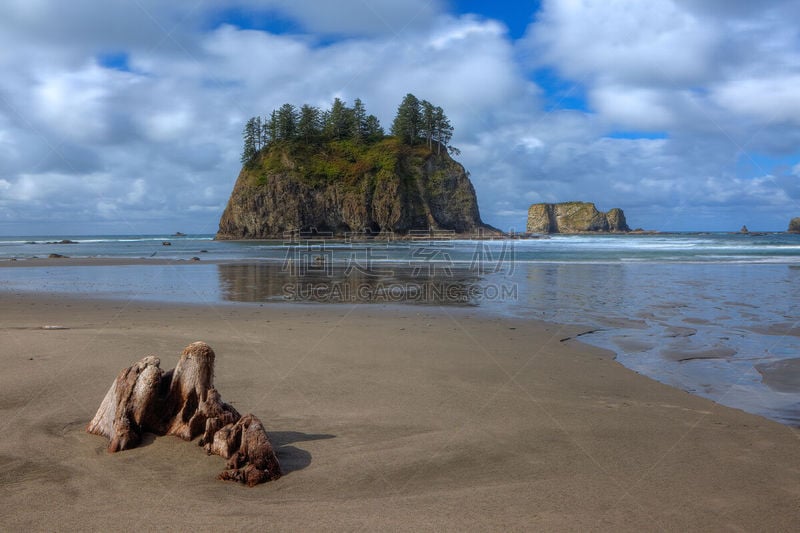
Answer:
[(779, 329), (717, 352), (696, 320), (631, 344), (679, 332), (782, 376)]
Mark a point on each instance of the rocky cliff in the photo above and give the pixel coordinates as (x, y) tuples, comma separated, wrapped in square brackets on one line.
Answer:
[(574, 217), (342, 187), (794, 225)]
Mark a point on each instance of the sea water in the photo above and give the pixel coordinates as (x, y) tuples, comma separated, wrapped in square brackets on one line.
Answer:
[(714, 314)]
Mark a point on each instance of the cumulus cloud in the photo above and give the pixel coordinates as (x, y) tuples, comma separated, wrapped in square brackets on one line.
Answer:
[(714, 80), (624, 41), (150, 142)]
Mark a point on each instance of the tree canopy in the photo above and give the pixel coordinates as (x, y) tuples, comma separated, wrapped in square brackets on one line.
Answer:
[(416, 122)]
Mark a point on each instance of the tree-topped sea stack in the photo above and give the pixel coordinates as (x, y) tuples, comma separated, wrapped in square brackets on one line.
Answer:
[(574, 217), (335, 172)]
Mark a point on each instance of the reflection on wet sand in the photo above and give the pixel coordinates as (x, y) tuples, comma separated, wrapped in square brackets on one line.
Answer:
[(264, 282)]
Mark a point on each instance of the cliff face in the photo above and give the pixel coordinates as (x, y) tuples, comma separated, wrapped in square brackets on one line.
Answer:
[(340, 187), (574, 217), (794, 225)]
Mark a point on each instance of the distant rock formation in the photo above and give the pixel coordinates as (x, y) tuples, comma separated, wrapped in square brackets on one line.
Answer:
[(183, 402), (339, 188), (744, 230), (794, 225), (574, 217)]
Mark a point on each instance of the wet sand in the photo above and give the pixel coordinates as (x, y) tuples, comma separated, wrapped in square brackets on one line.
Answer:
[(782, 376), (384, 419)]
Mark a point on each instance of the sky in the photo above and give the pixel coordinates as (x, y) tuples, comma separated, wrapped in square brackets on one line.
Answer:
[(125, 116)]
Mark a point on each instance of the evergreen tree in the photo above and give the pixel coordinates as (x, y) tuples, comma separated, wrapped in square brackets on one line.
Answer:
[(372, 129), (309, 124), (287, 122), (338, 121), (443, 130), (428, 124), (271, 127), (359, 121), (265, 132), (250, 135), (407, 122)]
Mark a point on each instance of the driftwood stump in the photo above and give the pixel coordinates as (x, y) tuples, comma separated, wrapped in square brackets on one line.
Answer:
[(183, 402)]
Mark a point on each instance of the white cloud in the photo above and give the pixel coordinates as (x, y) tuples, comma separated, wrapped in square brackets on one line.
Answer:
[(775, 99), (624, 41), (159, 146), (635, 108)]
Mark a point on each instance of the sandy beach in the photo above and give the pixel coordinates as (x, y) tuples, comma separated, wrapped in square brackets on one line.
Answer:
[(415, 418)]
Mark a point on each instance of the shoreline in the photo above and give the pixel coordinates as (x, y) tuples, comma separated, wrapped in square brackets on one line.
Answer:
[(35, 262), (678, 351), (413, 418)]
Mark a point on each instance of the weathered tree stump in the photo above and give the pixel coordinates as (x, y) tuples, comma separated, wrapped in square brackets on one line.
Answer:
[(183, 402)]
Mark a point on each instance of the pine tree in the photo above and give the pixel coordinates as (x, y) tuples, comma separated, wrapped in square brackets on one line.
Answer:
[(338, 121), (249, 134), (271, 126), (258, 133), (359, 121), (309, 125), (407, 122), (428, 127), (287, 122), (443, 130), (265, 132), (372, 129)]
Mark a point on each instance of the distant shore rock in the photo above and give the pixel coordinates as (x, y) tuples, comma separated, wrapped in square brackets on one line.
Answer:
[(574, 217), (63, 241), (794, 225), (744, 230)]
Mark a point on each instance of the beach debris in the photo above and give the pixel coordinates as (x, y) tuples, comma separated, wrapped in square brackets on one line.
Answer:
[(183, 402), (166, 243), (52, 327)]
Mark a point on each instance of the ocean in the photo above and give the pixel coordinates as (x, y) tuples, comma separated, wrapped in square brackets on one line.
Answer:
[(714, 314)]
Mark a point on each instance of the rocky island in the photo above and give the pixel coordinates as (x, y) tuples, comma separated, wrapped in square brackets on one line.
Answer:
[(334, 173), (794, 225), (574, 217)]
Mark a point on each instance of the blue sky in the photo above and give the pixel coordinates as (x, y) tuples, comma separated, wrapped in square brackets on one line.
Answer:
[(126, 117)]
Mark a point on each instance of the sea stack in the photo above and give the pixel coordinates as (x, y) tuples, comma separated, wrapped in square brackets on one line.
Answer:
[(794, 225), (388, 187), (574, 217)]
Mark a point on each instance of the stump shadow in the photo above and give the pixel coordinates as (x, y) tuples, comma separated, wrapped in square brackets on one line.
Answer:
[(291, 457)]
